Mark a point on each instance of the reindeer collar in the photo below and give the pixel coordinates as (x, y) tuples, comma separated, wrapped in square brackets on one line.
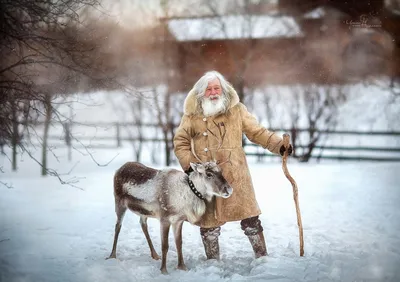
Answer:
[(195, 191)]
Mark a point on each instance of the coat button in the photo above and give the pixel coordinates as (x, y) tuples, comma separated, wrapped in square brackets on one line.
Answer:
[(205, 149), (204, 119), (205, 133)]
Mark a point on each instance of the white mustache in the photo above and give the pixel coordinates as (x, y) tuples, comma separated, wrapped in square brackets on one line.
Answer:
[(213, 106)]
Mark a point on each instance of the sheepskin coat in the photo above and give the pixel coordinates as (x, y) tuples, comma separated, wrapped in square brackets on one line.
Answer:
[(219, 138)]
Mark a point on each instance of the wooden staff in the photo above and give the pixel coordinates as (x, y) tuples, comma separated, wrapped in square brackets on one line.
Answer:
[(286, 141)]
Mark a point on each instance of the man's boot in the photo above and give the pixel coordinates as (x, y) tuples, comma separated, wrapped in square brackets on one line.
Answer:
[(254, 231), (258, 243), (210, 241)]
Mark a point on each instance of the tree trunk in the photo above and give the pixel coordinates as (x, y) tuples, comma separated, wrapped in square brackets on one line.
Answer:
[(48, 113), (140, 130), (314, 138), (167, 148), (307, 156), (293, 134), (15, 135)]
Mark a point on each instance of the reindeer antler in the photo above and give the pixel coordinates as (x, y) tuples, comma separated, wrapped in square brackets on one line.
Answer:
[(192, 145), (220, 139), (221, 136), (192, 149), (228, 160)]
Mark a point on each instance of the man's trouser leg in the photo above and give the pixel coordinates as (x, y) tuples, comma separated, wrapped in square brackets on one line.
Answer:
[(210, 241), (254, 231)]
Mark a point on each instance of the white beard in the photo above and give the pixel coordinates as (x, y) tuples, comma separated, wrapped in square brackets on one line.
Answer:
[(213, 107)]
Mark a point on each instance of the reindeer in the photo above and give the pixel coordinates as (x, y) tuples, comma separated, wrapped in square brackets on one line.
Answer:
[(170, 195)]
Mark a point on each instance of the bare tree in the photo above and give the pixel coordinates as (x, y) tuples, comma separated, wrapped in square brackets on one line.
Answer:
[(132, 113), (45, 51), (163, 112), (317, 108), (137, 111)]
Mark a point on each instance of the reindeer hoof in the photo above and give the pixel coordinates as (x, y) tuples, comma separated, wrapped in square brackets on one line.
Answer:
[(112, 256), (164, 271), (155, 256), (182, 267)]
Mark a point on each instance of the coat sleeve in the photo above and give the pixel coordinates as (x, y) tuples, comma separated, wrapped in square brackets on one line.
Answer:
[(182, 143), (259, 134)]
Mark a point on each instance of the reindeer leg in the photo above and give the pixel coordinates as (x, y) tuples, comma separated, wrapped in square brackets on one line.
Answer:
[(164, 244), (177, 228), (120, 211), (143, 223)]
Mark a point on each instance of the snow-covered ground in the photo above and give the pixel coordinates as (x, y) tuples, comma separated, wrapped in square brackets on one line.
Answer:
[(350, 212)]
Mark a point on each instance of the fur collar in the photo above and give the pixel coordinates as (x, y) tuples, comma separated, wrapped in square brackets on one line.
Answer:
[(191, 107)]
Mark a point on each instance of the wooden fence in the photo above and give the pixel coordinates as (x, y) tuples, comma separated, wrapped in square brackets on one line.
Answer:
[(388, 150), (369, 152)]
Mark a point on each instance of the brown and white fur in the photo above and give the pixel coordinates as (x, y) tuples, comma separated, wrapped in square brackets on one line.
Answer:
[(165, 194)]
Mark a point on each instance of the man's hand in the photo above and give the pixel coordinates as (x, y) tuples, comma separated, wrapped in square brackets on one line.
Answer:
[(283, 149)]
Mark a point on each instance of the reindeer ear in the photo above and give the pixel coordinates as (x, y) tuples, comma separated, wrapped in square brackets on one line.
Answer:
[(198, 167)]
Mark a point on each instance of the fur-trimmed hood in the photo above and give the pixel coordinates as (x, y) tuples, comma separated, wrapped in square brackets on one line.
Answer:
[(192, 107)]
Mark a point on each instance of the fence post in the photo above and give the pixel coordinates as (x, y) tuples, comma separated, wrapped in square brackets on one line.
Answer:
[(118, 134)]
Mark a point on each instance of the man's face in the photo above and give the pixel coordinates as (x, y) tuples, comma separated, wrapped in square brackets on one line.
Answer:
[(214, 90)]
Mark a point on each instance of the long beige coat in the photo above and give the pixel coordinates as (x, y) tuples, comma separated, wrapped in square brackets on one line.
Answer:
[(220, 138)]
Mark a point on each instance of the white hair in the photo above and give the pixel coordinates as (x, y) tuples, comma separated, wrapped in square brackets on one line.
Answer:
[(201, 85)]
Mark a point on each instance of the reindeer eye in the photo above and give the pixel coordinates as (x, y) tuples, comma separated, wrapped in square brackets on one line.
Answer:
[(209, 174)]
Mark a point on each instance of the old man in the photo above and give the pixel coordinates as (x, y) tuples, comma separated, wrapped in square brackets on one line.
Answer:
[(211, 128)]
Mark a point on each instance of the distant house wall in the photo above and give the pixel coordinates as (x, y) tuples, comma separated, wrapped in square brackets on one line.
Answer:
[(326, 49), (269, 61)]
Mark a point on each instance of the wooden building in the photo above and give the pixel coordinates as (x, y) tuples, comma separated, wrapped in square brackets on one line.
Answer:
[(323, 42)]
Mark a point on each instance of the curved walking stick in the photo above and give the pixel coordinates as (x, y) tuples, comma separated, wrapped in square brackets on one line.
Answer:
[(286, 139)]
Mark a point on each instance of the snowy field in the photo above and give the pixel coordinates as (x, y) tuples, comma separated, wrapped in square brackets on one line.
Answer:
[(350, 212)]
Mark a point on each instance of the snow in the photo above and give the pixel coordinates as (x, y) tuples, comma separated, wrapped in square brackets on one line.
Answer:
[(350, 213), (316, 13), (234, 27), (322, 12)]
